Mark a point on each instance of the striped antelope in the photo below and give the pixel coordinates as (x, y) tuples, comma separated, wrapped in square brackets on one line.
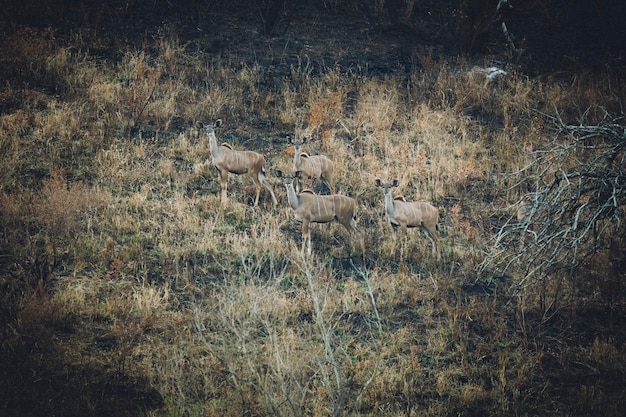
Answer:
[(312, 208), (227, 160), (312, 166), (404, 214)]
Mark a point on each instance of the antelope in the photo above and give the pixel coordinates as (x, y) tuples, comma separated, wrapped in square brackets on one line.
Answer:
[(312, 166), (312, 208), (227, 160), (404, 214)]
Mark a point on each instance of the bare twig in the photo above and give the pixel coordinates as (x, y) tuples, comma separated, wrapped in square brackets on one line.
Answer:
[(577, 199)]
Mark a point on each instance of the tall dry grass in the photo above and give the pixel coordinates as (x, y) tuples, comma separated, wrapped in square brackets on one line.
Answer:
[(211, 309)]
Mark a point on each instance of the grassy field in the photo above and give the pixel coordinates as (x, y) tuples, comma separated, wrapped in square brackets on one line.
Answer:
[(128, 288)]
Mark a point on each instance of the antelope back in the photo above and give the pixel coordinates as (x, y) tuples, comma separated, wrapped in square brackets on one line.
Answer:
[(307, 165), (425, 212), (326, 165), (345, 207), (320, 208), (245, 161), (316, 166), (312, 165)]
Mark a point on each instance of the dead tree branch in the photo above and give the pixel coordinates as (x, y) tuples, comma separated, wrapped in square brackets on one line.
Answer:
[(576, 203)]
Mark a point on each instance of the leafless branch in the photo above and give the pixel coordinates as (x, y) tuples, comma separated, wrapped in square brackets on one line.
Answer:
[(577, 199)]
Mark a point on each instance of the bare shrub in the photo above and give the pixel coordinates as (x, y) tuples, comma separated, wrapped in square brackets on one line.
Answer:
[(60, 206), (59, 210), (323, 113), (576, 205), (143, 79)]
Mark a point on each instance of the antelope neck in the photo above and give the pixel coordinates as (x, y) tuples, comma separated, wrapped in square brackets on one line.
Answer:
[(297, 158), (389, 205), (292, 197), (215, 150)]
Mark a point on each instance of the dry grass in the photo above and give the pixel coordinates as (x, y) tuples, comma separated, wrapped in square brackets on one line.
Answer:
[(117, 228)]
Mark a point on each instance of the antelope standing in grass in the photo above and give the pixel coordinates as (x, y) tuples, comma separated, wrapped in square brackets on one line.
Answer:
[(227, 160), (404, 214), (312, 208), (312, 166)]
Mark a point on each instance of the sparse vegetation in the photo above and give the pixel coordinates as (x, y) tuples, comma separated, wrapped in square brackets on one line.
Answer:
[(127, 287)]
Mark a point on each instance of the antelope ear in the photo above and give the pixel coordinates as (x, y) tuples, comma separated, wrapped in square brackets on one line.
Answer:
[(298, 174), (217, 123), (377, 182), (289, 139), (278, 173), (395, 183), (199, 124)]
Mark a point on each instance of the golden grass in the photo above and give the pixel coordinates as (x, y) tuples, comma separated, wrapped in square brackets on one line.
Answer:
[(214, 305)]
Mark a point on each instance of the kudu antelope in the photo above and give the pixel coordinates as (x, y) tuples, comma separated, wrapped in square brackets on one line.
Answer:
[(312, 208), (227, 160), (312, 166), (404, 214)]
